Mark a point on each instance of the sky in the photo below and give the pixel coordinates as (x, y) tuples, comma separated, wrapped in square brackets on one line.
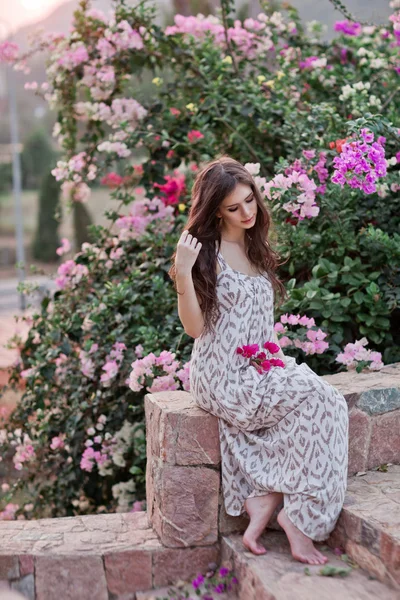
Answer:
[(22, 12)]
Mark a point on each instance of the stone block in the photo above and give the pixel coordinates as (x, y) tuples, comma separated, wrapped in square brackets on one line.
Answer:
[(370, 537), (128, 571), (359, 436), (77, 577), (25, 586), (352, 384), (380, 401), (9, 567), (173, 564), (26, 566), (352, 525), (390, 556), (184, 510), (228, 524), (179, 432), (384, 446), (366, 560)]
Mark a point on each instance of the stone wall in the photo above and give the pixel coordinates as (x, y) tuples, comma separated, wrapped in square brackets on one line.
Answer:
[(184, 499)]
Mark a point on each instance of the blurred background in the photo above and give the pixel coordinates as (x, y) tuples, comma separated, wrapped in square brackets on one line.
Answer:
[(40, 232)]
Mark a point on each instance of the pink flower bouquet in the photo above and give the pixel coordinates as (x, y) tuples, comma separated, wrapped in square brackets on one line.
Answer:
[(259, 359)]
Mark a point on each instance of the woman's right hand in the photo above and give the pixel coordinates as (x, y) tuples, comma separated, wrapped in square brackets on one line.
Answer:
[(187, 251)]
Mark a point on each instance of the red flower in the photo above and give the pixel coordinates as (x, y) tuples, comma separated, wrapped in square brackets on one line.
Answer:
[(338, 144), (271, 347), (113, 180), (248, 351), (173, 189), (194, 135)]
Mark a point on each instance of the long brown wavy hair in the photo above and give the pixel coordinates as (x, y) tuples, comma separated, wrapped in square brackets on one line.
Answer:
[(213, 183)]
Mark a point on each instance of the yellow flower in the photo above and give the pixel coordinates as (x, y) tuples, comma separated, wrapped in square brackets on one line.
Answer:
[(157, 81), (270, 83), (260, 78), (228, 60), (280, 74), (191, 106), (181, 207)]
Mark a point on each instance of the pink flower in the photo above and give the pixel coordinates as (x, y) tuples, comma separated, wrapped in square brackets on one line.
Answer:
[(65, 247), (88, 460), (173, 189), (309, 154), (74, 57), (194, 135), (57, 442), (8, 514), (111, 369), (271, 347), (348, 27), (248, 351), (8, 52)]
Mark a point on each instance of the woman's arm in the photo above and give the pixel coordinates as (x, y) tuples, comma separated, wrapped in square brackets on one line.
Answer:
[(189, 310)]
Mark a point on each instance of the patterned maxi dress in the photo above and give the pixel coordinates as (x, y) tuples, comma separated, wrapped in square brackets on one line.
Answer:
[(285, 430)]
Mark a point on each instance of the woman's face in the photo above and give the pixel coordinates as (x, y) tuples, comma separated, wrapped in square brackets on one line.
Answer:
[(238, 210)]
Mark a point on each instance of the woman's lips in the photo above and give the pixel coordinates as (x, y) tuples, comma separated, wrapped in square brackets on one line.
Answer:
[(248, 220)]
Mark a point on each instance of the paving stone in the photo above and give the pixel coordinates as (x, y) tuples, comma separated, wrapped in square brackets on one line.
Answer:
[(278, 576)]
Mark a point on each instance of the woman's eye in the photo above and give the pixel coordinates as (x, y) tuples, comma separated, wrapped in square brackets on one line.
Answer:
[(248, 202)]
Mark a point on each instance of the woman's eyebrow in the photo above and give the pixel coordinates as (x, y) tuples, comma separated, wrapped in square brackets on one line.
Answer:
[(230, 205)]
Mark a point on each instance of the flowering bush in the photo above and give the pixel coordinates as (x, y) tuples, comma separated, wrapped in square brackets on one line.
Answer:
[(217, 580), (316, 123)]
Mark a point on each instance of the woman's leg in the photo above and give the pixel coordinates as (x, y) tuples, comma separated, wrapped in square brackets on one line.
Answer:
[(260, 510)]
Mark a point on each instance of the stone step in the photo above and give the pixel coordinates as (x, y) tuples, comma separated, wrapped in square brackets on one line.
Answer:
[(94, 557), (369, 525), (277, 576)]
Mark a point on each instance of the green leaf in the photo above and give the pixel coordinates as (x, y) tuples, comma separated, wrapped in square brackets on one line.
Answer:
[(134, 470), (359, 297), (331, 571)]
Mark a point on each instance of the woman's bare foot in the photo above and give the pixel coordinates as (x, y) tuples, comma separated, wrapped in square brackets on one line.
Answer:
[(301, 546), (260, 510)]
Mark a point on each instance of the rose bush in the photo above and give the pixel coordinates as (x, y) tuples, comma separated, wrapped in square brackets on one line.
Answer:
[(314, 122)]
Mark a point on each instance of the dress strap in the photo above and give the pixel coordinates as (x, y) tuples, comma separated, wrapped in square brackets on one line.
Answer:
[(220, 258)]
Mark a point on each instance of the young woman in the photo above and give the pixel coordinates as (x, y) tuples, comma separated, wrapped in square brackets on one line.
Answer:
[(283, 432)]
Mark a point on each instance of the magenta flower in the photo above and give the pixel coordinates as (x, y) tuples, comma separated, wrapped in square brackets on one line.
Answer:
[(248, 351), (198, 581), (360, 163), (348, 27), (194, 135), (271, 347)]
